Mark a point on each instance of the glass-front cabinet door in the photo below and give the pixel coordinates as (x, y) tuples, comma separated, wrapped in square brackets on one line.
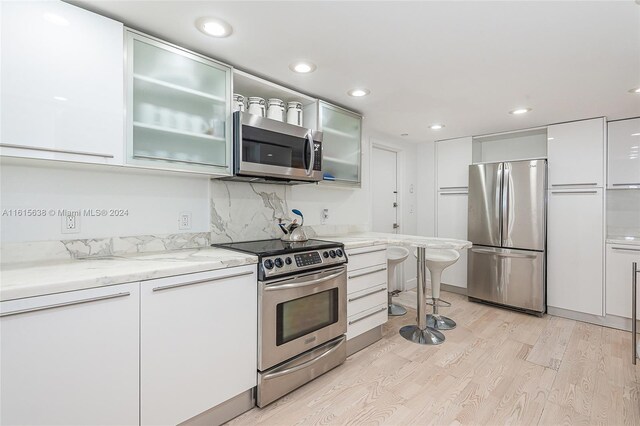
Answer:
[(341, 154), (178, 108)]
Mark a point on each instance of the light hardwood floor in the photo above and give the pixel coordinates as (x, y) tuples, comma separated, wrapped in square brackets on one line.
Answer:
[(497, 367)]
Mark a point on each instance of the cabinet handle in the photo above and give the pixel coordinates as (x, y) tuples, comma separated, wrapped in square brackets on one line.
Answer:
[(454, 193), (634, 289), (368, 315), (59, 151), (574, 192), (60, 305), (574, 184), (626, 249), (367, 273), (366, 252), (368, 294), (454, 187), (624, 184), (207, 280), (173, 160)]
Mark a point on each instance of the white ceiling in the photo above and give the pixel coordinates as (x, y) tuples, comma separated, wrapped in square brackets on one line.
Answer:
[(464, 64)]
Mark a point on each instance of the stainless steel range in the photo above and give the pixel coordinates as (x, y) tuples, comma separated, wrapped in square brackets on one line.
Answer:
[(302, 313)]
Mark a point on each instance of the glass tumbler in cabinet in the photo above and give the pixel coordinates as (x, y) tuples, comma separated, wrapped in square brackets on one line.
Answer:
[(178, 108), (341, 160)]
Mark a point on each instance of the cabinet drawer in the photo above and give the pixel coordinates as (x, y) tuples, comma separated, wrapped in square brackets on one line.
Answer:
[(365, 257), (366, 278), (365, 321), (366, 299)]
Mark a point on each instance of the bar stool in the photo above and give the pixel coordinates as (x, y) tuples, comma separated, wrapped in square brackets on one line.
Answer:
[(437, 261), (395, 256)]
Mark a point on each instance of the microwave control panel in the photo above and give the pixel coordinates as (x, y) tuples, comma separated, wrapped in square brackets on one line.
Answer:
[(317, 163)]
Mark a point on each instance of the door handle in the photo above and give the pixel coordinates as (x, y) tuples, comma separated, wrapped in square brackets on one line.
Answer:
[(312, 153), (60, 305), (368, 315), (276, 287), (207, 280)]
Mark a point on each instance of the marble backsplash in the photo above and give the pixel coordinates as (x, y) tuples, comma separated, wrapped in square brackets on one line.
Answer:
[(244, 212), (85, 248)]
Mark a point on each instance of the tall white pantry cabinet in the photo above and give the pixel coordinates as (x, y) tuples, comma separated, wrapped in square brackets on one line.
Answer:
[(575, 234)]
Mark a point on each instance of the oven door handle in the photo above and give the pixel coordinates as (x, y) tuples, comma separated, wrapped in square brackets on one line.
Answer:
[(305, 364), (312, 153), (304, 283)]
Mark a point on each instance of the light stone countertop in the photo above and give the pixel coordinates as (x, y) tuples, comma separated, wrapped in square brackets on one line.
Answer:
[(365, 239), (28, 279)]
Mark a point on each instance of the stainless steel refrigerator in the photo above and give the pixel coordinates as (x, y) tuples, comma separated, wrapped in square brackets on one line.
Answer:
[(507, 226)]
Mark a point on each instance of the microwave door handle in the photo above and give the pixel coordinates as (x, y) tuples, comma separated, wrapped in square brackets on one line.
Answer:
[(312, 155)]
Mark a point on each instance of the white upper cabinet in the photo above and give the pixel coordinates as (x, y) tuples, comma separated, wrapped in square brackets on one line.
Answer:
[(624, 153), (62, 83), (453, 158), (576, 154), (341, 144), (178, 108)]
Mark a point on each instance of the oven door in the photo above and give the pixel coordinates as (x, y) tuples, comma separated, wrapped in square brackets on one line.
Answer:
[(269, 148), (299, 313)]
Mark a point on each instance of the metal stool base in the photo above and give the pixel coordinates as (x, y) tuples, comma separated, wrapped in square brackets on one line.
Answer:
[(427, 336), (396, 310), (439, 322)]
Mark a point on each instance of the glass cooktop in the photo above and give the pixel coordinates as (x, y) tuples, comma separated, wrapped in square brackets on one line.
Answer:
[(276, 246)]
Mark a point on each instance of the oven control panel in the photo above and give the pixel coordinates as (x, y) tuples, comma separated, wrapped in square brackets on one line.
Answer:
[(277, 265)]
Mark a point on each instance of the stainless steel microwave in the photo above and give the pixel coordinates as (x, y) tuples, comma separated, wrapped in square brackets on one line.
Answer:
[(270, 150)]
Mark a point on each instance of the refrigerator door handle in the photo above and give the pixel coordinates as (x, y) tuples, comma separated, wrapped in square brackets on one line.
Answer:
[(501, 254), (506, 177)]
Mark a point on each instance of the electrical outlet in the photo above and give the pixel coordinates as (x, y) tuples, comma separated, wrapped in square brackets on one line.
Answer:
[(324, 217), (184, 220), (70, 224)]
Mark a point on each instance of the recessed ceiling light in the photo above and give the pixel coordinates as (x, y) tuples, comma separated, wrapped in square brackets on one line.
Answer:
[(60, 98), (359, 92), (56, 19), (520, 111), (214, 27), (436, 126), (550, 139), (302, 67), (635, 90), (404, 134)]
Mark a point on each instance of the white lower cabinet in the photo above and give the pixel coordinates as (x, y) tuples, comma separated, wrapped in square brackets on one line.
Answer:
[(198, 343), (71, 358), (366, 289), (575, 246), (620, 258), (452, 223)]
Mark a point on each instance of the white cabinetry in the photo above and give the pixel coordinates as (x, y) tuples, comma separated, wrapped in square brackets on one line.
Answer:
[(576, 153), (453, 158), (198, 342), (624, 153), (62, 83), (620, 257), (71, 358), (452, 223), (179, 108), (575, 246), (366, 289)]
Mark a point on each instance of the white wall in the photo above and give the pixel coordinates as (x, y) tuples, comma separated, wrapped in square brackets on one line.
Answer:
[(426, 197), (153, 201)]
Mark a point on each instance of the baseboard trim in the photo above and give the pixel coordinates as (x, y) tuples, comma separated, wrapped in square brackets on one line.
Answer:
[(365, 339), (225, 411), (453, 289), (611, 321)]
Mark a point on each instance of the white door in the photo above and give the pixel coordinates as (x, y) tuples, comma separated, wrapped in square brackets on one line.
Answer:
[(384, 188)]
